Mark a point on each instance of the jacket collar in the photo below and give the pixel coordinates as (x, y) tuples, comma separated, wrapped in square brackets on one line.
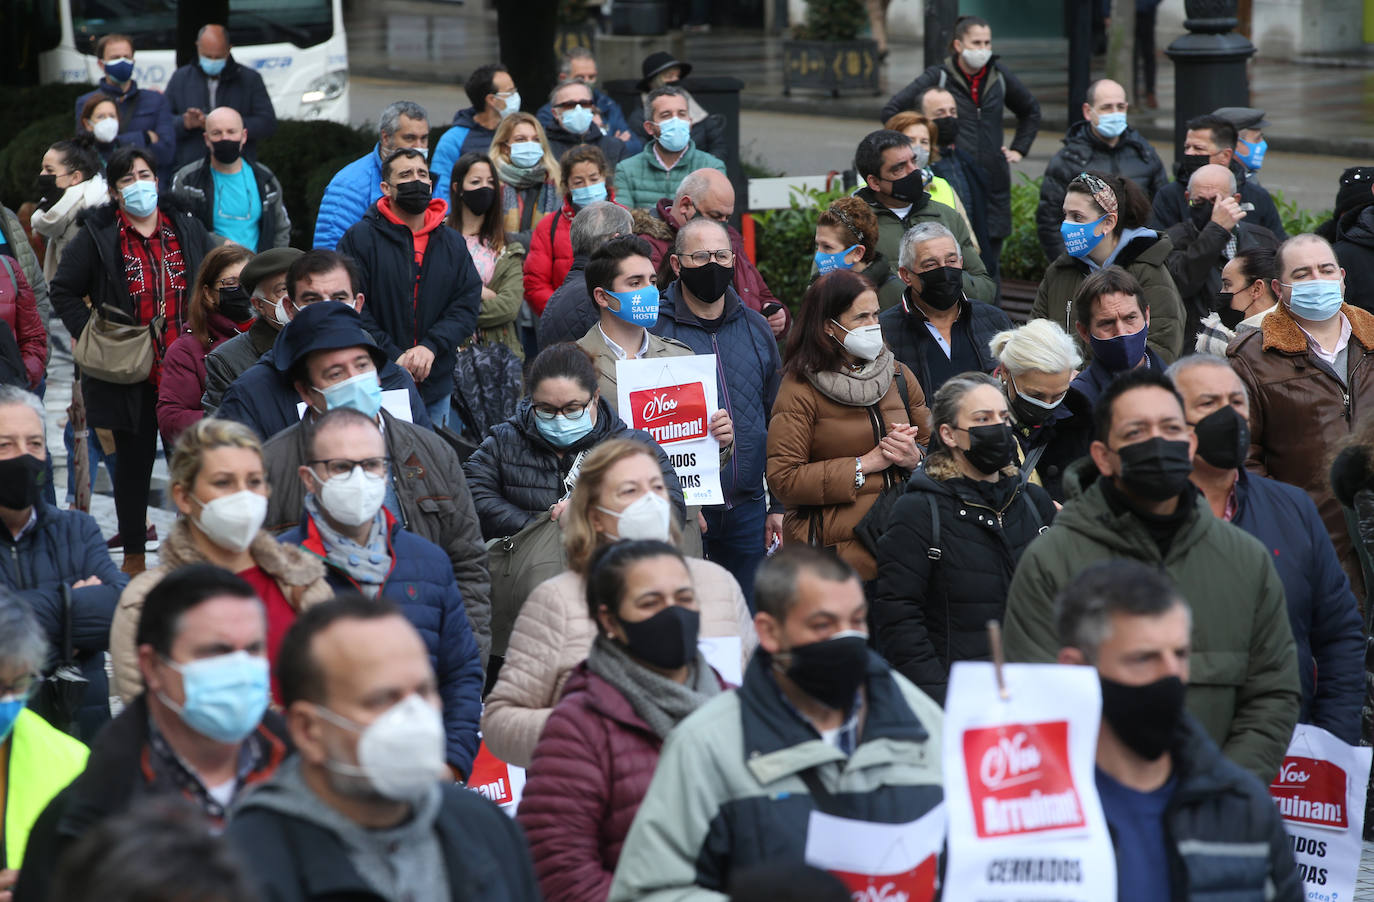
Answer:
[(261, 336), (1090, 515), (676, 307), (1283, 334)]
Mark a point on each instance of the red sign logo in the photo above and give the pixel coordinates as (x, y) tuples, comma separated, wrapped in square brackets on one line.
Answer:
[(1311, 791), (915, 885), (490, 777), (676, 413), (1019, 779)]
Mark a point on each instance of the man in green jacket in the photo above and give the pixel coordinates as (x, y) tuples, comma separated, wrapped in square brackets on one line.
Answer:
[(670, 157), (894, 188), (1244, 686)]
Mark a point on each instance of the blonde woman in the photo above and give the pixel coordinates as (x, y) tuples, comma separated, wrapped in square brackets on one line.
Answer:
[(620, 494), (220, 487), (528, 173)]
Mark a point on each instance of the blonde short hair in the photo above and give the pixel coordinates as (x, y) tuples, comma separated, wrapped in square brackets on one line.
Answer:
[(207, 435), (580, 538)]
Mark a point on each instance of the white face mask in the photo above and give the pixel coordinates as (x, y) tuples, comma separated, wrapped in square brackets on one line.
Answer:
[(647, 517), (106, 130), (400, 754), (353, 499), (977, 59), (865, 342), (232, 521)]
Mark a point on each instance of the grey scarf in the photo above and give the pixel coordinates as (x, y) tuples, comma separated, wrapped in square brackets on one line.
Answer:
[(367, 564), (655, 698), (863, 387)]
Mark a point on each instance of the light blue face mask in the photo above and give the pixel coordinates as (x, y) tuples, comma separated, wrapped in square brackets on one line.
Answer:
[(577, 120), (588, 194), (1254, 158), (362, 392), (563, 431), (1315, 300), (211, 67), (1079, 239), (1111, 125), (673, 134), (10, 706), (638, 306), (225, 695), (526, 154), (140, 198), (826, 263)]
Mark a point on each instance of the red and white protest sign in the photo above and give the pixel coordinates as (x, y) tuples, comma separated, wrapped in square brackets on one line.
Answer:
[(1320, 792), (499, 782), (1025, 822), (673, 399), (879, 862)]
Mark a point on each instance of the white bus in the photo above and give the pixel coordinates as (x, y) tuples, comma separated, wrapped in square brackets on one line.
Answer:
[(297, 46)]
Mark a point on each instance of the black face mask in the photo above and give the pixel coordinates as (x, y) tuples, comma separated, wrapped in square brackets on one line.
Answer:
[(1200, 214), (413, 196), (1156, 469), (1223, 438), (21, 481), (1145, 718), (235, 304), (991, 447), (667, 640), (832, 670), (1187, 165), (479, 200), (226, 151), (1028, 414), (942, 287), (946, 130), (46, 190), (911, 188), (1229, 318), (707, 283)]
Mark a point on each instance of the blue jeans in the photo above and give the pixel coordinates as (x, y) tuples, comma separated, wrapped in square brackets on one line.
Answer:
[(734, 539), (438, 411)]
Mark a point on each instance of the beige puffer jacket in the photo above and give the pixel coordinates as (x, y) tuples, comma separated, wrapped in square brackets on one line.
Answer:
[(553, 634)]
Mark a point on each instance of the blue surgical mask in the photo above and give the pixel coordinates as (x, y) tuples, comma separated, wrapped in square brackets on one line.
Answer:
[(673, 134), (638, 306), (1111, 125), (562, 430), (826, 263), (211, 67), (119, 70), (1255, 158), (1316, 300), (140, 198), (10, 706), (588, 194), (1122, 352), (362, 392), (526, 154), (1079, 239), (225, 695), (577, 120)]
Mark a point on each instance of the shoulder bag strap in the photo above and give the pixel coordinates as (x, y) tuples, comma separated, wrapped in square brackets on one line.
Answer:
[(553, 227), (68, 652), (934, 552), (1029, 464), (823, 798)]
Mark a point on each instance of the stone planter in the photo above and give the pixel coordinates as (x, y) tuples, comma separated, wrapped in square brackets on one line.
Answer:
[(832, 66)]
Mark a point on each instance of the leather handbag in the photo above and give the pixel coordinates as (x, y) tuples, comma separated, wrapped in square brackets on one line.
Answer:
[(518, 563), (115, 351)]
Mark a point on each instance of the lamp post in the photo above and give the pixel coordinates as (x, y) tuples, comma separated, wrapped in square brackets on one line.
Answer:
[(1209, 63)]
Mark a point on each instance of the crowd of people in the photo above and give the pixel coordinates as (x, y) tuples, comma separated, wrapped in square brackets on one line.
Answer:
[(413, 521)]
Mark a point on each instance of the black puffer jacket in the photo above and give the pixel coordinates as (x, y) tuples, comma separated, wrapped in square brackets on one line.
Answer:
[(929, 613), (1170, 206), (1084, 150), (515, 474), (906, 334), (1196, 262), (1355, 251), (570, 311)]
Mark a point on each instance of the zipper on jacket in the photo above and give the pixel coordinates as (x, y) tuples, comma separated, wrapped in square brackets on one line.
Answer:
[(1345, 404), (18, 567)]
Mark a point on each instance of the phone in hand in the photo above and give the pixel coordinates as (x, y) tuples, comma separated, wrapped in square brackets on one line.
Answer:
[(770, 309)]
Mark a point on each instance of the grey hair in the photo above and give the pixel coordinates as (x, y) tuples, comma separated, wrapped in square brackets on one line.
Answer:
[(944, 407), (1230, 180), (23, 644), (920, 234), (1040, 346), (1194, 361), (692, 227), (1084, 608), (664, 91), (574, 53), (553, 95), (597, 223), (390, 120), (12, 394), (694, 185)]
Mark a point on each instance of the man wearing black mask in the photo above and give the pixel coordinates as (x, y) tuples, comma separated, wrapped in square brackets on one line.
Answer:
[(1137, 502), (936, 330), (954, 164), (1212, 139), (895, 189), (1184, 820), (235, 198), (1322, 610), (423, 291), (758, 762)]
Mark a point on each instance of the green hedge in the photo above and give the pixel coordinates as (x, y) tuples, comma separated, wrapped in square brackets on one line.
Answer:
[(304, 152), (785, 242), (22, 157)]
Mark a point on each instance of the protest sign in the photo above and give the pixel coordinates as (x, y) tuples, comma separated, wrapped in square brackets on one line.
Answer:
[(879, 862), (673, 399), (1025, 822), (499, 782)]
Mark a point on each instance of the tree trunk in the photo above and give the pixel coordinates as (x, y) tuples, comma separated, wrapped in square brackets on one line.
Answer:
[(1121, 46), (526, 31), (191, 18)]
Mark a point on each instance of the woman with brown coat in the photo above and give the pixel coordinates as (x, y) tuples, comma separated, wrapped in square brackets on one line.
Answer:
[(848, 422)]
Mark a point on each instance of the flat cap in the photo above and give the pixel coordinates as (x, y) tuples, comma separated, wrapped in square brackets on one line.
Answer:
[(275, 260), (1243, 117)]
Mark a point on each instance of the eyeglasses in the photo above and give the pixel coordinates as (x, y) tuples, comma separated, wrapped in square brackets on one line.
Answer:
[(227, 283), (342, 466), (22, 687), (724, 257), (548, 411)]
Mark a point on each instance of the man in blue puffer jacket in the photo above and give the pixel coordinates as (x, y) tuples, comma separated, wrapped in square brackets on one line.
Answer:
[(357, 186), (365, 549), (493, 97), (702, 311), (49, 547)]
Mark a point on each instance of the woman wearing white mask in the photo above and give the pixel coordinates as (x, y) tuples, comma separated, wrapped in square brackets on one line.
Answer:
[(620, 494), (100, 121), (220, 488), (849, 420)]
